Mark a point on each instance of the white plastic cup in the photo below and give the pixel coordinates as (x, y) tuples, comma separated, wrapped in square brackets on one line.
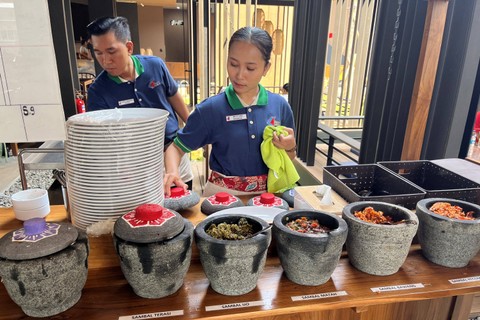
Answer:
[(30, 199), (25, 215)]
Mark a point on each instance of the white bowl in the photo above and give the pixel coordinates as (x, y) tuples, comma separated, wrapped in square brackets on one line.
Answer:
[(30, 199), (32, 213)]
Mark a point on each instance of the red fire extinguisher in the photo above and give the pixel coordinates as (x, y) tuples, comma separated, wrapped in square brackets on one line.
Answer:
[(80, 105)]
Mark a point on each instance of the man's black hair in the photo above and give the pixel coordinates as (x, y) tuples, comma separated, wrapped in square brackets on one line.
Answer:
[(119, 26)]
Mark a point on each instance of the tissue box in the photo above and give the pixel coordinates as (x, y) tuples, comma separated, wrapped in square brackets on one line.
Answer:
[(307, 199)]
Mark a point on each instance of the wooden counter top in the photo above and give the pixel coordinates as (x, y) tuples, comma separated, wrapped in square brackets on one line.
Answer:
[(107, 294)]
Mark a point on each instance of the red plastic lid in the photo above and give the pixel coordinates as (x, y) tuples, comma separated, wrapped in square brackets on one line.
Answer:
[(148, 212), (177, 192), (222, 196), (267, 198)]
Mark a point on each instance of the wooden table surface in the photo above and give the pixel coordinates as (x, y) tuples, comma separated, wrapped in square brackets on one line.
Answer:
[(107, 294)]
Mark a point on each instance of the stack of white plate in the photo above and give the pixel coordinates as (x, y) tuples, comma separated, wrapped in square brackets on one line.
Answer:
[(114, 162)]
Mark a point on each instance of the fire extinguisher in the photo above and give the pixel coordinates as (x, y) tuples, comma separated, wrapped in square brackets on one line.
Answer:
[(80, 104)]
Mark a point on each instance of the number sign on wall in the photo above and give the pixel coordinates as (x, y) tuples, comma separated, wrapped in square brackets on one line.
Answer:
[(30, 102)]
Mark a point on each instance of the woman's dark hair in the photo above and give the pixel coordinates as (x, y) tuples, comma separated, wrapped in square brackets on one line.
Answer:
[(256, 36), (119, 26)]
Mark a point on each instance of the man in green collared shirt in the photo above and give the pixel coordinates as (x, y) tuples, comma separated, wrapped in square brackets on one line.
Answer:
[(130, 81)]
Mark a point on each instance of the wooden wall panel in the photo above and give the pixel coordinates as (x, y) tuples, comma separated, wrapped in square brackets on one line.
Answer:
[(425, 79)]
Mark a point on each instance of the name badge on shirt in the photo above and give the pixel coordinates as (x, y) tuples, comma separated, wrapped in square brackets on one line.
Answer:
[(124, 102), (237, 117)]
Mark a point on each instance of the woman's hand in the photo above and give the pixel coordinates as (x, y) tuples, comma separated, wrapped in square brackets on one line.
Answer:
[(285, 142)]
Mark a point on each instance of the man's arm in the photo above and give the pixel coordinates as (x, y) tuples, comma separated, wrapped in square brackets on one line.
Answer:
[(179, 106), (173, 156)]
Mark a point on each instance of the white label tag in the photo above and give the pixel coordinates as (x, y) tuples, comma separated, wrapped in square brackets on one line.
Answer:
[(235, 305), (320, 295), (154, 315), (124, 102), (236, 117), (399, 287), (463, 280)]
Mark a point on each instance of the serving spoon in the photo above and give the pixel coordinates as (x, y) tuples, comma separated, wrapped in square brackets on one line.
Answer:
[(258, 232)]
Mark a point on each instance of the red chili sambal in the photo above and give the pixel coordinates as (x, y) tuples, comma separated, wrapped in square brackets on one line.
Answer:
[(371, 215), (305, 225), (447, 210)]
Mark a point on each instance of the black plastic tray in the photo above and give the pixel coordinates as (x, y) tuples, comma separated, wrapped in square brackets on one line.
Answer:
[(371, 182), (435, 180)]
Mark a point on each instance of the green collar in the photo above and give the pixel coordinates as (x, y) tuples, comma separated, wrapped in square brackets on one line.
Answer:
[(138, 70), (235, 103)]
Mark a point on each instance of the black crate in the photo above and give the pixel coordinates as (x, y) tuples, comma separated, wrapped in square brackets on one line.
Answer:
[(371, 182), (435, 180)]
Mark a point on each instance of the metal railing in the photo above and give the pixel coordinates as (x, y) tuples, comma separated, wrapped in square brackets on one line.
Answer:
[(41, 164), (330, 136)]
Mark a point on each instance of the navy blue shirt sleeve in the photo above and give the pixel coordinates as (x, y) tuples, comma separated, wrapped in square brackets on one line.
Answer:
[(196, 132)]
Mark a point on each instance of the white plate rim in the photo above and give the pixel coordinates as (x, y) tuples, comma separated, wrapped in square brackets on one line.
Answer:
[(138, 115)]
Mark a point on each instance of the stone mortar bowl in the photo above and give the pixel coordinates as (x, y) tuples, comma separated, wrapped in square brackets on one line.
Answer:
[(309, 259), (49, 285), (157, 269), (448, 242), (233, 266), (180, 199), (379, 249)]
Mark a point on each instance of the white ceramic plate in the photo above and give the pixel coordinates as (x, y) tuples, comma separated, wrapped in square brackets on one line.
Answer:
[(100, 190), (115, 187), (264, 213), (113, 180), (114, 167), (118, 116), (80, 165), (134, 148), (99, 193), (108, 204), (113, 138), (153, 124), (114, 163), (122, 158), (121, 129)]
